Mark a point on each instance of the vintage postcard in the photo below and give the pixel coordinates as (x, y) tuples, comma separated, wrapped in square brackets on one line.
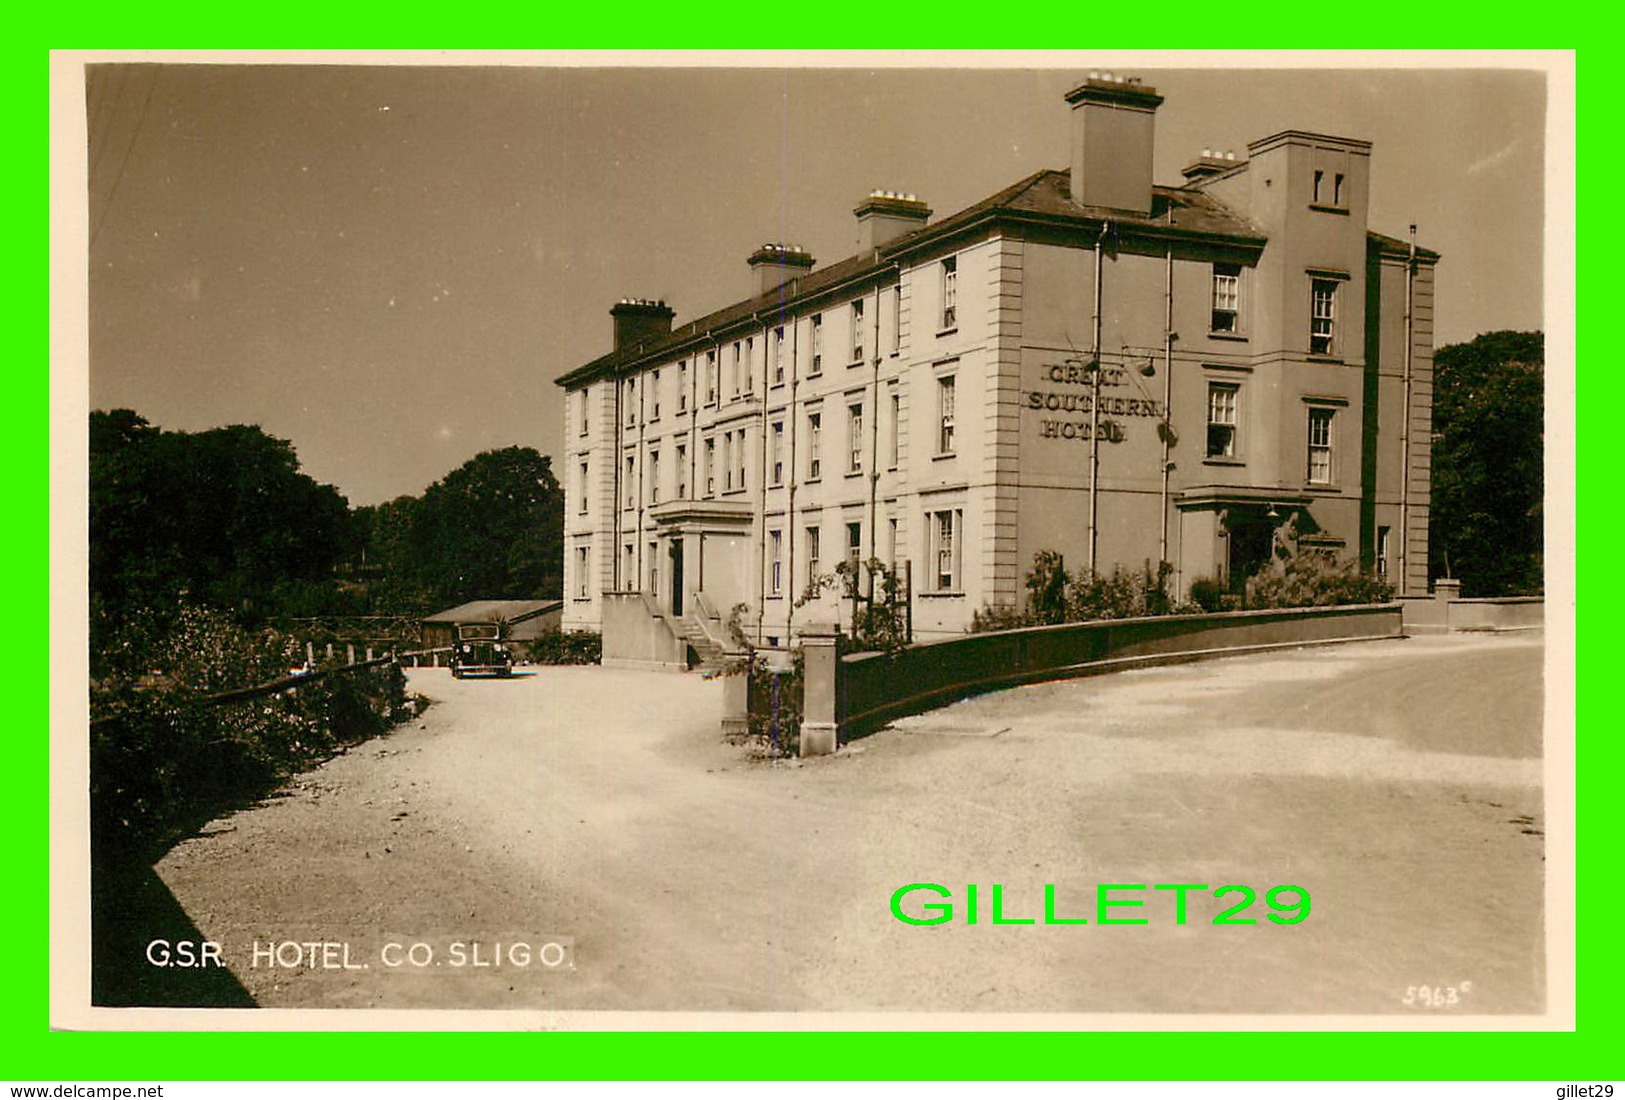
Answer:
[(800, 540)]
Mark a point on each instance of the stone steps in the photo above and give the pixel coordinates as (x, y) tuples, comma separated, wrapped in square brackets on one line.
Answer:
[(708, 655)]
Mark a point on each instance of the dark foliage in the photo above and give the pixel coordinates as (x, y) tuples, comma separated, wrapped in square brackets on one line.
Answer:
[(1055, 595), (1302, 574), (880, 617), (1210, 595), (1047, 584), (776, 701), (491, 529), (388, 570), (574, 647), (1488, 466), (222, 516), (1299, 575), (164, 758)]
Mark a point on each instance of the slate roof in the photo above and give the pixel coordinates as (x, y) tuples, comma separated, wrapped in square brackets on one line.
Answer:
[(1042, 198), (485, 611), (1394, 244)]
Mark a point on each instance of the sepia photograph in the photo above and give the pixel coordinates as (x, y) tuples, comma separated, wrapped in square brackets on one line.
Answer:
[(775, 541)]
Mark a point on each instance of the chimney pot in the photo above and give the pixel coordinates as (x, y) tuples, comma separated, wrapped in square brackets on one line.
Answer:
[(776, 263), (886, 215), (640, 320)]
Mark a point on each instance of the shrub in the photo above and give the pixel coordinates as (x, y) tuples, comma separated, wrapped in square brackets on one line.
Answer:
[(164, 757), (1056, 596), (776, 706), (1208, 594), (879, 620), (1123, 595), (773, 701), (1047, 585), (999, 617), (1305, 575), (575, 647), (191, 648)]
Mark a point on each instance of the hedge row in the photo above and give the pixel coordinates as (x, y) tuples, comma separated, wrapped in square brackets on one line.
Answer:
[(575, 647), (164, 758)]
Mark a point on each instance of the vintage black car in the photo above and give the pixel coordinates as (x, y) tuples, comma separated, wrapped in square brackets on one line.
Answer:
[(480, 651)]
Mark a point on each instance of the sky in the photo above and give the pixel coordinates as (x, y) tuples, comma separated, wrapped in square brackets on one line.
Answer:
[(389, 264)]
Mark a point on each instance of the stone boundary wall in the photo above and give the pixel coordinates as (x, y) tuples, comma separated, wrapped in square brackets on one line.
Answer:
[(1511, 613), (871, 689), (1446, 611)]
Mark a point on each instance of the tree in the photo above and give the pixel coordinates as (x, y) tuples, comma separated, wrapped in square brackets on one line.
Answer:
[(391, 568), (491, 529), (222, 516), (1488, 466)]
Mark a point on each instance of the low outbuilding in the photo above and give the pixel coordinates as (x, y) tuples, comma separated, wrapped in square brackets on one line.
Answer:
[(526, 619)]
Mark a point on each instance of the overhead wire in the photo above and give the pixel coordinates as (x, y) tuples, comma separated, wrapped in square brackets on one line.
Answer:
[(124, 161)]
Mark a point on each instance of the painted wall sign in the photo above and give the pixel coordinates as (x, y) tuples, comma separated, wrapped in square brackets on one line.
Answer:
[(1064, 401)]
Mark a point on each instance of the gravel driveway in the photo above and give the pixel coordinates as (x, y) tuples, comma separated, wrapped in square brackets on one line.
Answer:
[(1398, 782)]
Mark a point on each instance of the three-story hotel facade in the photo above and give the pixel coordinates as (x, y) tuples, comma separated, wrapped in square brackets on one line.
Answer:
[(1085, 362)]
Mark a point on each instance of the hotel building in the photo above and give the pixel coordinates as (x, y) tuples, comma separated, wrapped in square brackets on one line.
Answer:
[(1085, 362)]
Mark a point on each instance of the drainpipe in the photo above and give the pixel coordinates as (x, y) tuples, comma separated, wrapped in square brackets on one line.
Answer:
[(640, 459), (1094, 407), (1405, 433), (761, 484), (716, 349), (1167, 399), (787, 585), (615, 484), (874, 444), (693, 428)]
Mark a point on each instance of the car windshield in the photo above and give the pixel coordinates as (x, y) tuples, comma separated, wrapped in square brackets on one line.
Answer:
[(479, 633)]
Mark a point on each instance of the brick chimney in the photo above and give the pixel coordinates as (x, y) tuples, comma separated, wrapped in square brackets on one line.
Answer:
[(1113, 124), (640, 320), (776, 264), (886, 215)]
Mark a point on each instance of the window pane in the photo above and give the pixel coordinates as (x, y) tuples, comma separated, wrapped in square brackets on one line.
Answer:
[(1322, 316), (1320, 445), (1221, 419), (1226, 297)]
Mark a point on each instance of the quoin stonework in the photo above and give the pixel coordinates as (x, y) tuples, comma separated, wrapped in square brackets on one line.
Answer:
[(1086, 362)]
